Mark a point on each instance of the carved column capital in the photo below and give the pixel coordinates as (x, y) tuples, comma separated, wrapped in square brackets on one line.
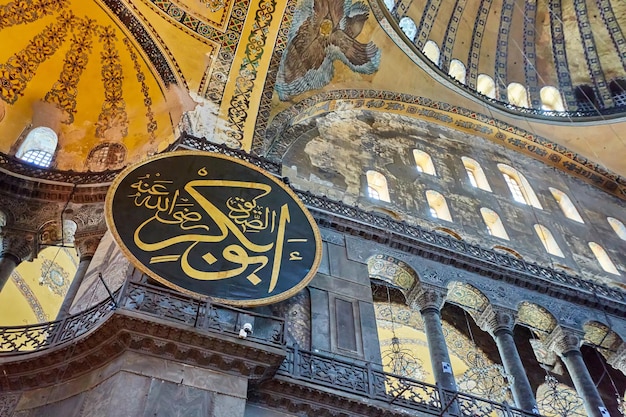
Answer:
[(18, 244), (87, 243), (496, 318), (618, 359), (425, 296), (563, 340)]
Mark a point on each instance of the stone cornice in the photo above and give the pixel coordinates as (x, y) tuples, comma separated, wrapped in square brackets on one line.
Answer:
[(133, 331)]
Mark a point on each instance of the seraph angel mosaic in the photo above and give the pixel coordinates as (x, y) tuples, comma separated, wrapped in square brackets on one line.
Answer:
[(322, 32)]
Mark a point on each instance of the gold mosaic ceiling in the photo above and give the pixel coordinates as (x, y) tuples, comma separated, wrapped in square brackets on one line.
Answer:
[(122, 72)]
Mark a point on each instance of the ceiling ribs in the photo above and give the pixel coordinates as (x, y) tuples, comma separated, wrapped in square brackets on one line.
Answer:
[(606, 11), (450, 37), (530, 53), (477, 37), (591, 54), (503, 47), (560, 55), (426, 23)]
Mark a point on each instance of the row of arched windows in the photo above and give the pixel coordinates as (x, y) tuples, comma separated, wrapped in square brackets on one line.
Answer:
[(521, 191), (516, 93)]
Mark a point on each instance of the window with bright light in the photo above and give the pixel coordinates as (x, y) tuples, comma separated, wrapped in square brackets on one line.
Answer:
[(389, 4), (548, 241), (457, 71), (423, 162), (517, 95), (493, 223), (486, 86), (432, 52), (438, 206), (377, 186), (618, 227), (551, 99), (408, 27), (520, 188), (39, 146), (475, 174), (603, 259), (566, 205)]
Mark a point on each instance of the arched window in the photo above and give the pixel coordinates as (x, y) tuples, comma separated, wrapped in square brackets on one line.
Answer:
[(423, 162), (438, 206), (431, 50), (520, 188), (457, 71), (616, 87), (475, 174), (486, 86), (586, 98), (38, 147), (618, 227), (493, 223), (566, 205), (389, 4), (603, 259), (517, 95), (551, 99), (408, 27), (548, 241), (377, 186), (106, 156)]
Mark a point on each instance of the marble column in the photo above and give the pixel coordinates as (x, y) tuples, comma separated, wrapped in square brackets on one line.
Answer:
[(16, 246), (429, 300), (499, 323), (566, 343), (85, 247)]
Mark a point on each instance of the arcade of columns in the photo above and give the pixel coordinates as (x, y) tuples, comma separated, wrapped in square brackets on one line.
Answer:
[(27, 228)]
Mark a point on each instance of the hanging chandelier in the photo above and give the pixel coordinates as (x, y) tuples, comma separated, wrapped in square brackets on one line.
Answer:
[(559, 401), (400, 361), (486, 380)]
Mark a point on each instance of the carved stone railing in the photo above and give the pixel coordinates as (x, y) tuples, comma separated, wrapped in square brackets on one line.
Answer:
[(365, 381), (418, 240), (148, 299), (16, 166)]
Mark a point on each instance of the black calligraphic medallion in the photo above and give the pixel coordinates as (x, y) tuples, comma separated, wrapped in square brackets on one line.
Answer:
[(212, 225)]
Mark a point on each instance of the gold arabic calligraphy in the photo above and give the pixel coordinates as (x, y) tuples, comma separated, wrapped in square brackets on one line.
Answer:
[(240, 217)]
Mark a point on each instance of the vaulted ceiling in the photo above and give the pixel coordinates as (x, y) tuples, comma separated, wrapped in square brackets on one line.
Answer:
[(124, 72)]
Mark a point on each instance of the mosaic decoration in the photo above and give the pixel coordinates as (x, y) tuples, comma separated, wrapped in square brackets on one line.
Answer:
[(21, 67), (535, 317), (450, 36), (64, 91), (147, 101), (426, 23), (213, 5), (278, 139), (503, 46), (54, 277), (591, 53), (530, 72), (27, 11), (597, 334), (467, 296), (240, 102), (324, 31), (29, 296), (297, 314), (391, 270), (606, 11), (113, 115), (560, 54), (151, 49)]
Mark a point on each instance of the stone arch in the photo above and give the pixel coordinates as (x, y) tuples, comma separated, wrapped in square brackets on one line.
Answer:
[(468, 297), (602, 337), (392, 271), (537, 318)]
